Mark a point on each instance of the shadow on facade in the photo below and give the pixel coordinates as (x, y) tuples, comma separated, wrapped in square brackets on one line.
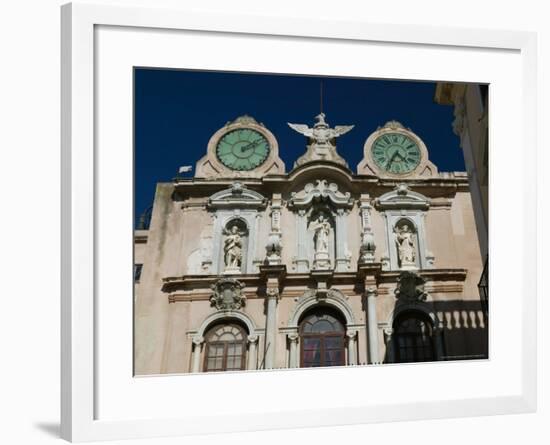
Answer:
[(458, 331)]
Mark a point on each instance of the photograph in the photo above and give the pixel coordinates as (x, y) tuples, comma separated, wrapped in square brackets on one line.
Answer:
[(290, 221)]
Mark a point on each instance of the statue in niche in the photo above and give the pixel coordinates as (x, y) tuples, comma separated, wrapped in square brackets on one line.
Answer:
[(322, 233), (404, 239), (232, 249)]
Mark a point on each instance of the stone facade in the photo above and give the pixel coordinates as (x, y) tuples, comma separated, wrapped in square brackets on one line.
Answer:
[(391, 259)]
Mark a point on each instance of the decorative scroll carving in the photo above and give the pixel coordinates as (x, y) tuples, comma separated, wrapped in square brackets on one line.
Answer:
[(228, 294), (253, 339), (198, 340), (272, 292), (321, 190)]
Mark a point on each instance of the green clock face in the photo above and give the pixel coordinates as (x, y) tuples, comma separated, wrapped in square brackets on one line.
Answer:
[(396, 153), (242, 149)]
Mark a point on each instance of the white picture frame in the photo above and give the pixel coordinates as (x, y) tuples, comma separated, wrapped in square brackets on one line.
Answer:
[(86, 415)]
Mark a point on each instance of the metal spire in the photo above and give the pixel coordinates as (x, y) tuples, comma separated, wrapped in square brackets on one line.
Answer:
[(321, 95)]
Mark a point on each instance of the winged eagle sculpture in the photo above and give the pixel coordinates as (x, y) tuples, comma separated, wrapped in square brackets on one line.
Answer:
[(321, 140)]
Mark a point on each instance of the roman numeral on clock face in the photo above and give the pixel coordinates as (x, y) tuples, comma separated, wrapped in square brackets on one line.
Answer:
[(396, 153)]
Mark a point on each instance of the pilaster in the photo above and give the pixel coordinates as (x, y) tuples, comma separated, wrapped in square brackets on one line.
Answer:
[(252, 352), (197, 346), (342, 257), (273, 276)]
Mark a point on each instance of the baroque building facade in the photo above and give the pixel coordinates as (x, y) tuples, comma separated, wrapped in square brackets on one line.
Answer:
[(248, 266)]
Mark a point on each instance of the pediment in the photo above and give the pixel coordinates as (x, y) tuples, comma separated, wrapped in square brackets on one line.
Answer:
[(402, 197), (237, 196)]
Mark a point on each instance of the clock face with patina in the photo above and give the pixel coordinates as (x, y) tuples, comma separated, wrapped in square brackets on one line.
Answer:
[(242, 149), (396, 153)]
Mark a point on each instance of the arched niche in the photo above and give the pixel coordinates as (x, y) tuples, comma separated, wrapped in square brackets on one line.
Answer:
[(321, 196), (315, 216), (235, 226), (242, 205), (406, 241), (397, 207)]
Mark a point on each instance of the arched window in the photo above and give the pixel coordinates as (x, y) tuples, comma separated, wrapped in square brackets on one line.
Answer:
[(322, 339), (412, 338), (225, 348)]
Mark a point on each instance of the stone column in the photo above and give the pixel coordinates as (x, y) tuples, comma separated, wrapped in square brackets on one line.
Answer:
[(352, 348), (252, 352), (301, 239), (390, 353), (197, 345), (293, 360), (272, 295), (438, 343), (341, 240), (372, 325)]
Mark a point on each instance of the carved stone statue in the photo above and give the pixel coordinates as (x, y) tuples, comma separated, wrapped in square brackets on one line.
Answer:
[(321, 141), (322, 233), (232, 250), (404, 239), (321, 228)]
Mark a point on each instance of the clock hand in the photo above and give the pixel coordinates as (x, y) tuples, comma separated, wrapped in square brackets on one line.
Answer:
[(389, 162), (251, 145)]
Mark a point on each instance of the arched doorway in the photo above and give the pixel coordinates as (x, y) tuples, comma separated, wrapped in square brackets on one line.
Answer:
[(225, 348), (322, 342), (413, 338)]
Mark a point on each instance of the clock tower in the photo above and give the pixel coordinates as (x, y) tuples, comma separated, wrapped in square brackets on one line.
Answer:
[(394, 151), (241, 148)]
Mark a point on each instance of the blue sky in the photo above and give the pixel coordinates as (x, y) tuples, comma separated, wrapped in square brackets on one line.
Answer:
[(176, 112)]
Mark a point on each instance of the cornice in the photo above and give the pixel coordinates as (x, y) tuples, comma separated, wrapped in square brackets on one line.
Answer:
[(198, 287)]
